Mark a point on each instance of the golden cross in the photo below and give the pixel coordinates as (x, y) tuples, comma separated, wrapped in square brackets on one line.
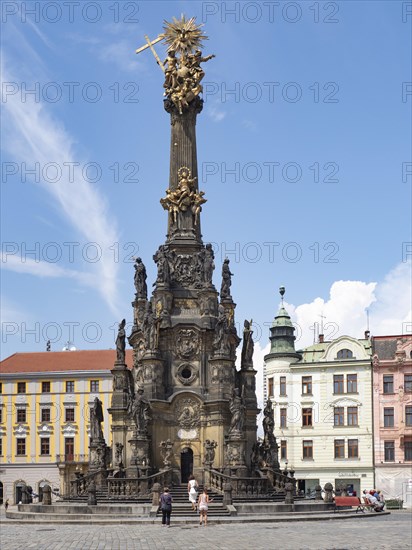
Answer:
[(150, 45)]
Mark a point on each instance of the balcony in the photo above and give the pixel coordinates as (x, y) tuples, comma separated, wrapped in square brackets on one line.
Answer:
[(70, 458)]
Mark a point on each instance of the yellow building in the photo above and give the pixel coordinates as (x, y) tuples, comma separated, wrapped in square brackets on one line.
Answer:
[(45, 401)]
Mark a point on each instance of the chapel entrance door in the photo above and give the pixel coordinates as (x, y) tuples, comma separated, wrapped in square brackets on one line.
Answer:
[(186, 464)]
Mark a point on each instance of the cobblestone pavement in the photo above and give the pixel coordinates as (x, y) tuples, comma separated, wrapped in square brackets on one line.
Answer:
[(394, 531)]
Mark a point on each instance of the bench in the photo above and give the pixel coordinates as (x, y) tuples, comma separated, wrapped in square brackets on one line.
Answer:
[(344, 502)]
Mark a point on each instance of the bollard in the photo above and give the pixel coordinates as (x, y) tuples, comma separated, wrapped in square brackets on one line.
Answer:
[(328, 492), (46, 501), (227, 494), (92, 500)]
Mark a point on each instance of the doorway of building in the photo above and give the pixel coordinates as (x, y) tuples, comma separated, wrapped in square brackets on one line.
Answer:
[(18, 492), (186, 464), (69, 449)]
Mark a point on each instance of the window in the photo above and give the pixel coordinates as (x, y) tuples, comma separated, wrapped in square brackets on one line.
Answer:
[(345, 354), (338, 417), (1, 415), (21, 415), (407, 383), (282, 385), (389, 451), (69, 448), (1, 446), (94, 385), (307, 384), (45, 446), (388, 417), (283, 450), (306, 417), (408, 416), (338, 383), (45, 415), (283, 420), (21, 447), (70, 386), (388, 383), (307, 447), (352, 383), (408, 450), (270, 387), (45, 387), (353, 448), (69, 415), (1, 387), (21, 387), (352, 416), (339, 448)]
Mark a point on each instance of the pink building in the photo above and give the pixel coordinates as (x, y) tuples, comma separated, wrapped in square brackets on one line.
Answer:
[(392, 420)]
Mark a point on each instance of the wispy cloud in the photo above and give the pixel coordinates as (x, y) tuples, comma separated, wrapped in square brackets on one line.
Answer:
[(217, 115), (33, 135), (44, 269)]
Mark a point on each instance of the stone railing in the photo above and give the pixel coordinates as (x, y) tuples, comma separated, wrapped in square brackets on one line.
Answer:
[(241, 486), (80, 485), (135, 487)]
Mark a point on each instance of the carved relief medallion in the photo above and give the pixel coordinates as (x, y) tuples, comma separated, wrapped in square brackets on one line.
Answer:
[(187, 412), (187, 343)]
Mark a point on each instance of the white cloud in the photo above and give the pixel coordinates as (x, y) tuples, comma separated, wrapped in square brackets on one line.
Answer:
[(32, 135), (216, 114), (44, 269), (346, 309)]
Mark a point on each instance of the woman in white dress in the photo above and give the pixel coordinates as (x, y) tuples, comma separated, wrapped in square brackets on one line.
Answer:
[(192, 490)]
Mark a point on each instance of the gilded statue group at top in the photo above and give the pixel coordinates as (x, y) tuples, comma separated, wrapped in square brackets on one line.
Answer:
[(183, 76)]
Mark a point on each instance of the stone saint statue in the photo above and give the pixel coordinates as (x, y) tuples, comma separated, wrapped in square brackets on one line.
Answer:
[(226, 281), (96, 419), (221, 344), (268, 420), (121, 342), (140, 277), (209, 264), (139, 409), (237, 408), (248, 344)]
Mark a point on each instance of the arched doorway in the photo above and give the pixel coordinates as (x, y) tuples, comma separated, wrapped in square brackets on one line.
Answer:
[(18, 491), (186, 464)]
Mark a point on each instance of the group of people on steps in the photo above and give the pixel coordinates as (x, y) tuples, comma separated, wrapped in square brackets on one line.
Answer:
[(198, 501)]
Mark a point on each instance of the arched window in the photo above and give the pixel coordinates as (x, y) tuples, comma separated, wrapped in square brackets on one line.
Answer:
[(345, 354)]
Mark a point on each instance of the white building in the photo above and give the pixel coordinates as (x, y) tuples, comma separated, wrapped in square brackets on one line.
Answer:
[(322, 398)]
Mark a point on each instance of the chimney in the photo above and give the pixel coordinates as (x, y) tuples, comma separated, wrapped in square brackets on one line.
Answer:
[(367, 334), (321, 338)]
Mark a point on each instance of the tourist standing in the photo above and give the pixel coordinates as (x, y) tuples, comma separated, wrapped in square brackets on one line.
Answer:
[(204, 506), (6, 504), (192, 491), (166, 506)]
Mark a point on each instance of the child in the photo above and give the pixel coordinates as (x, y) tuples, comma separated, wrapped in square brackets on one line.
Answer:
[(203, 504)]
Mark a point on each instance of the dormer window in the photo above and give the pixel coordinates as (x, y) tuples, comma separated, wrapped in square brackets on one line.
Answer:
[(345, 354)]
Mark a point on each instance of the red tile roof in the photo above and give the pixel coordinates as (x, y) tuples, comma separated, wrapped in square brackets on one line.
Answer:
[(61, 361)]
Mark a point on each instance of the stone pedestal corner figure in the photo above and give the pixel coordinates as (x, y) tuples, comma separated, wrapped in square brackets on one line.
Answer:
[(248, 345), (96, 419), (140, 277), (226, 281), (139, 409), (121, 343), (237, 409)]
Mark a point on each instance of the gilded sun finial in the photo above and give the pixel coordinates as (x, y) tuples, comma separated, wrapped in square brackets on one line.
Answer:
[(183, 35)]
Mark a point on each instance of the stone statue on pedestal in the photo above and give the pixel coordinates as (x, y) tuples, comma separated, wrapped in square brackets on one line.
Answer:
[(121, 342), (139, 409), (140, 277), (237, 409), (226, 281), (96, 419)]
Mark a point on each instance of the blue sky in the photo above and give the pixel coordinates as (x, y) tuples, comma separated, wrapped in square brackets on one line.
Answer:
[(303, 148)]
